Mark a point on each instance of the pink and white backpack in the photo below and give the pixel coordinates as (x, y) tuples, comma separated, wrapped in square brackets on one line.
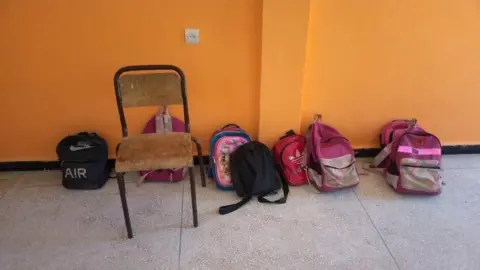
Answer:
[(411, 158), (330, 161), (160, 123), (223, 142)]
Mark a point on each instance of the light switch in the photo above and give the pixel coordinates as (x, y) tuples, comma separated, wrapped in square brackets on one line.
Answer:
[(192, 36)]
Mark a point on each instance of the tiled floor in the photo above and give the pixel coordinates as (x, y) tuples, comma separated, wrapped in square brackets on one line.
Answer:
[(44, 226)]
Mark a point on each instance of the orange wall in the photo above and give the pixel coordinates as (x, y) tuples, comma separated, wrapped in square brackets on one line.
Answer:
[(371, 61), (280, 61), (57, 60), (284, 38)]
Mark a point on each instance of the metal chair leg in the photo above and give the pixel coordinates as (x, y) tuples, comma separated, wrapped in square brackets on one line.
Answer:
[(123, 197), (200, 160), (194, 196)]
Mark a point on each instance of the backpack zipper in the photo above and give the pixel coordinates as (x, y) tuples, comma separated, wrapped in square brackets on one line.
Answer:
[(337, 168), (421, 166)]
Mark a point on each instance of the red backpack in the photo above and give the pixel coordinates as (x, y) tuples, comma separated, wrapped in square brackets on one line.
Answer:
[(289, 156)]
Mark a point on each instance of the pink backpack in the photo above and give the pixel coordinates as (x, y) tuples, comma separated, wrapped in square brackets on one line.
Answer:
[(330, 158), (163, 122), (411, 160)]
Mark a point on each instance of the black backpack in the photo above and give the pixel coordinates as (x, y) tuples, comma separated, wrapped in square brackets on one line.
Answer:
[(83, 161), (253, 173)]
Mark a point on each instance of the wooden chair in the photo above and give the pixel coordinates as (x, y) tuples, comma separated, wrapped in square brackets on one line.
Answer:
[(150, 85)]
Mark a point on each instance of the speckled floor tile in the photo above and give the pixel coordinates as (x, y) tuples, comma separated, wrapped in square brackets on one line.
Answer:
[(439, 232), (41, 178), (5, 185), (461, 161), (11, 174), (310, 231), (49, 227), (45, 226)]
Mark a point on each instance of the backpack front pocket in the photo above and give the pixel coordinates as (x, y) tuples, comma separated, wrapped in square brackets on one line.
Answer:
[(339, 172), (88, 174), (420, 175)]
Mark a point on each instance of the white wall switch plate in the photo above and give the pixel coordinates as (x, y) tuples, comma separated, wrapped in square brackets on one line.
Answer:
[(192, 36)]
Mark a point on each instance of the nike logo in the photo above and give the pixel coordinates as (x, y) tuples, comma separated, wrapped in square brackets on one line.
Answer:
[(78, 148)]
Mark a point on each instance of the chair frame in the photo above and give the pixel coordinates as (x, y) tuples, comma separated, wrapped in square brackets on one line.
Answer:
[(120, 175)]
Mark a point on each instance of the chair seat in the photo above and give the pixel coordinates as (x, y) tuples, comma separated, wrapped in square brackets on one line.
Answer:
[(170, 150)]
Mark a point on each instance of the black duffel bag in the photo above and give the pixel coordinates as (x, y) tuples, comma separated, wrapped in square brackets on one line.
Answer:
[(83, 161)]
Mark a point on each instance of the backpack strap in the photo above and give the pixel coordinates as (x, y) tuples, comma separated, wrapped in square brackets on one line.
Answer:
[(385, 152), (163, 120), (380, 157), (223, 210), (226, 209)]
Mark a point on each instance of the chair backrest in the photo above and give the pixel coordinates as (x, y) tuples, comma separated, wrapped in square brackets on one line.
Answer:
[(147, 89), (150, 85)]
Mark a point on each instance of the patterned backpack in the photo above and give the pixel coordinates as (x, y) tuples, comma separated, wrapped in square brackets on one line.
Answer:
[(330, 158), (411, 158), (223, 142)]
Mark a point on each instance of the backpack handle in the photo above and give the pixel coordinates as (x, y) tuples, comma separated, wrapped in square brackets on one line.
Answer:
[(230, 125), (162, 110), (288, 134), (411, 123), (317, 117), (91, 134)]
